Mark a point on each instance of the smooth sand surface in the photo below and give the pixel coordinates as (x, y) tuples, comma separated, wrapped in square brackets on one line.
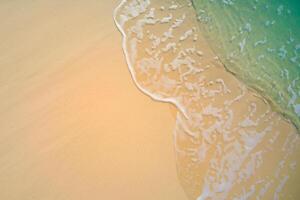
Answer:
[(72, 123)]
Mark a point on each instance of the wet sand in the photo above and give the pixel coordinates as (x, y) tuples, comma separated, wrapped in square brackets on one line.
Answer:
[(72, 123), (230, 144)]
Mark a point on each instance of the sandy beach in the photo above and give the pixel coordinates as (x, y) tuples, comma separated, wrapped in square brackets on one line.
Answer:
[(72, 123)]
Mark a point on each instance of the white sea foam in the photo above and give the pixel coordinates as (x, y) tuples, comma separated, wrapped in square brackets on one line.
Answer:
[(224, 132)]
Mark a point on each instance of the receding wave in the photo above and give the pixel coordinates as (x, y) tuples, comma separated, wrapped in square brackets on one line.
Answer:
[(229, 142)]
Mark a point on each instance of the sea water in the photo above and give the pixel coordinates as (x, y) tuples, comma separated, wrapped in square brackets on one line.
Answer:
[(258, 41), (230, 142)]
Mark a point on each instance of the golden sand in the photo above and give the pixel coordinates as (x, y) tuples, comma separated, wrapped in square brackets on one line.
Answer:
[(74, 126), (72, 123)]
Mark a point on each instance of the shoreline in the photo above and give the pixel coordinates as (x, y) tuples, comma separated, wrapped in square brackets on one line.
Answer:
[(259, 126)]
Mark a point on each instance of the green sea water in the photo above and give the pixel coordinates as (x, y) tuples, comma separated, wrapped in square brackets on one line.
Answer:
[(259, 42)]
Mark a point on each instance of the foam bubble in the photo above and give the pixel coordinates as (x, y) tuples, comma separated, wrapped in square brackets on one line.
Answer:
[(225, 133)]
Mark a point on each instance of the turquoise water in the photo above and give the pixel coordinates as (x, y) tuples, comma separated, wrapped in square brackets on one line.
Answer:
[(259, 42)]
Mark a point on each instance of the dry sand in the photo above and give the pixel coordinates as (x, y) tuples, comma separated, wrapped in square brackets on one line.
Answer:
[(72, 123)]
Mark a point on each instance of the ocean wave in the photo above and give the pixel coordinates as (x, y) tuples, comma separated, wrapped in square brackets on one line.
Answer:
[(226, 135)]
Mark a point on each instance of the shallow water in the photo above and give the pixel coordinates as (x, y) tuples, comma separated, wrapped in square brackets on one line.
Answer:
[(226, 135), (259, 41)]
